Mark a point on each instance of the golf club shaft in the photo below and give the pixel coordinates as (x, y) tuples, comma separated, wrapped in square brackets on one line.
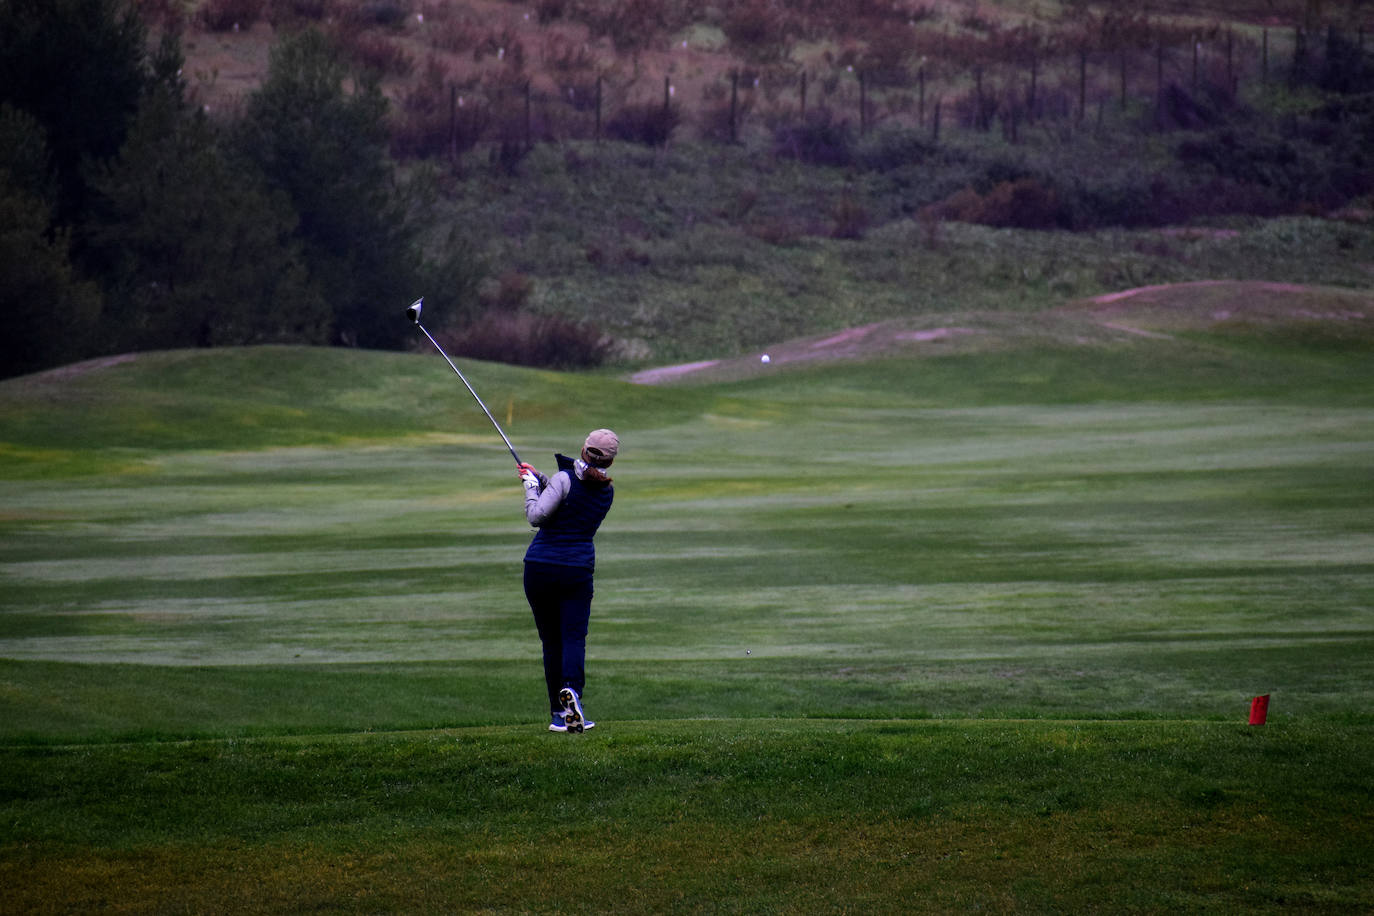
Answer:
[(471, 392)]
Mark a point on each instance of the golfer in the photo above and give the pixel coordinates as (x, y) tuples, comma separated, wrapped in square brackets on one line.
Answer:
[(567, 509)]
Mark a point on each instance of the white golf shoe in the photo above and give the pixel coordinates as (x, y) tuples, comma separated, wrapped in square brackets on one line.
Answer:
[(573, 717)]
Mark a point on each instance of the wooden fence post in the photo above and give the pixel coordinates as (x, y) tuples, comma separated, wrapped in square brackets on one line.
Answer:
[(1082, 83), (1013, 103), (1299, 53), (863, 105), (1230, 61), (1159, 85), (921, 105), (734, 103), (978, 98), (1123, 79), (452, 122)]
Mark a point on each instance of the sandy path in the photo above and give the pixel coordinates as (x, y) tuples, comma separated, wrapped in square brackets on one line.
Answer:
[(668, 373), (869, 339), (1108, 298)]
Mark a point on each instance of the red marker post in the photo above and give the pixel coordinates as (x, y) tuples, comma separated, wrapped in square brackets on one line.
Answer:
[(1259, 709)]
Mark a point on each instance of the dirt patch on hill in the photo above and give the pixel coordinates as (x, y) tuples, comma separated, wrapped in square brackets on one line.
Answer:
[(1171, 291), (1149, 312), (87, 366), (668, 373), (1211, 302), (864, 341)]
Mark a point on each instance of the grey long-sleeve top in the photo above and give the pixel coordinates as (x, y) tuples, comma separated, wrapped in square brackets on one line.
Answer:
[(543, 502)]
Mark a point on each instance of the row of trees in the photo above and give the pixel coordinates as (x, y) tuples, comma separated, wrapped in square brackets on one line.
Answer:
[(129, 220)]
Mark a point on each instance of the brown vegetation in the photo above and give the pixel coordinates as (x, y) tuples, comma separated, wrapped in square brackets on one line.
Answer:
[(588, 64)]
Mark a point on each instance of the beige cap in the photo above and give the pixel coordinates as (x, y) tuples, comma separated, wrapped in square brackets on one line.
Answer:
[(601, 447)]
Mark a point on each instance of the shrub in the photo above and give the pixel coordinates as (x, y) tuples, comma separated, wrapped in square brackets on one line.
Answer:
[(820, 140), (525, 339), (509, 293), (1181, 109), (374, 52), (550, 10), (736, 210), (562, 55), (780, 233), (631, 25), (756, 30), (388, 13), (472, 120), (650, 123), (929, 225), (1314, 163), (720, 123), (169, 14), (892, 148), (453, 35), (224, 15), (1132, 200), (424, 125), (1022, 204), (885, 61), (504, 45), (1347, 68), (287, 13), (850, 219), (579, 94)]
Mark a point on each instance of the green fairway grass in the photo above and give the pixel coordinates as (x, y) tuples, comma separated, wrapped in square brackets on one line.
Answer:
[(968, 631), (733, 815)]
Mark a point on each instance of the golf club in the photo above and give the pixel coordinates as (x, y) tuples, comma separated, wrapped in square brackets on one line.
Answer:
[(413, 313)]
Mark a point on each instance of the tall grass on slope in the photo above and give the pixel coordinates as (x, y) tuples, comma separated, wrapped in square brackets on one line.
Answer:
[(713, 251)]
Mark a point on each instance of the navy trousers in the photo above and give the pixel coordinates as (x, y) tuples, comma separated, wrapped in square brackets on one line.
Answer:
[(561, 599)]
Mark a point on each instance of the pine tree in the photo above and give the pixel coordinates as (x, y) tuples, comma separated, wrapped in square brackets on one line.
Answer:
[(326, 149), (46, 311), (195, 251)]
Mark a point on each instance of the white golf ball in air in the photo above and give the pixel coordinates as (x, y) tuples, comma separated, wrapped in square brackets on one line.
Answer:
[(764, 358)]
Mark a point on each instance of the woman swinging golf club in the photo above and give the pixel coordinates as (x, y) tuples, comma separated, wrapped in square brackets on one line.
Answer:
[(567, 509)]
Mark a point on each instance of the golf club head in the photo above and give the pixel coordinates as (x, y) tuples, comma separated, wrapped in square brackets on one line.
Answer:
[(413, 313)]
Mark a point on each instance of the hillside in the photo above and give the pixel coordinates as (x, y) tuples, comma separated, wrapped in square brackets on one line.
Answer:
[(560, 49), (642, 182), (698, 248), (1170, 314)]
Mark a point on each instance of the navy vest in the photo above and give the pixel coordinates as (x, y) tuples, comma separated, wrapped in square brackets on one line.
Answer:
[(565, 538)]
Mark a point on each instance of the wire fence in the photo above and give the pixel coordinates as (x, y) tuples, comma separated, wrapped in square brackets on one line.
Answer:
[(1165, 79)]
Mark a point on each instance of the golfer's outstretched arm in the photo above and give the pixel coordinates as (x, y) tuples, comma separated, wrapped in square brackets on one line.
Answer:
[(541, 504)]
